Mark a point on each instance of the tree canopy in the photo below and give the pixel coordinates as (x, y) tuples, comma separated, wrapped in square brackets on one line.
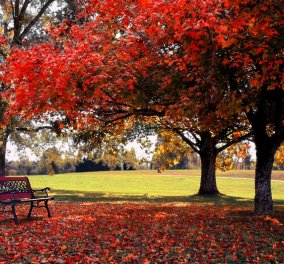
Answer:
[(22, 24)]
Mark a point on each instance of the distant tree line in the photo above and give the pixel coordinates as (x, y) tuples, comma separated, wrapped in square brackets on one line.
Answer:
[(170, 154), (27, 167), (52, 162)]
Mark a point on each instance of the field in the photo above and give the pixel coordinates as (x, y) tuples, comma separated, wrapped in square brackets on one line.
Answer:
[(148, 218), (175, 186)]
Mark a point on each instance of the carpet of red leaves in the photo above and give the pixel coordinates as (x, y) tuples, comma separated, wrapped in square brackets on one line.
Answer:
[(142, 233)]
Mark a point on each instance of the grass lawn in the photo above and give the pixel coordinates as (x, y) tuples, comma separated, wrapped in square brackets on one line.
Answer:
[(177, 185)]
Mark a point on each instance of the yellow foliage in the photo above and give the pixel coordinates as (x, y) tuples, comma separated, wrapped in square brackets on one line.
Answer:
[(279, 157), (169, 151), (227, 159)]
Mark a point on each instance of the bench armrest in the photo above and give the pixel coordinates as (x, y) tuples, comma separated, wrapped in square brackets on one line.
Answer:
[(43, 190)]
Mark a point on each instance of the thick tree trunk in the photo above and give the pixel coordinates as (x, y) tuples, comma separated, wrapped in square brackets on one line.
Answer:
[(208, 155), (208, 183), (268, 130), (263, 204)]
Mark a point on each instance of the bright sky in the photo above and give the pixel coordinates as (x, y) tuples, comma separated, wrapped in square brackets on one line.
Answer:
[(12, 153), (140, 152)]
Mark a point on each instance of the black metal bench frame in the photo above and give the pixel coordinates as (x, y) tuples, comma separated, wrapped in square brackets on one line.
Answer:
[(17, 190)]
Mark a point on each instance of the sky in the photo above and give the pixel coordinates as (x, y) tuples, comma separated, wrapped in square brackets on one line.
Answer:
[(13, 155)]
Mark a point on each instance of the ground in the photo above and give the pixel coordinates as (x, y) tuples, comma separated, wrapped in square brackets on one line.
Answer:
[(142, 232)]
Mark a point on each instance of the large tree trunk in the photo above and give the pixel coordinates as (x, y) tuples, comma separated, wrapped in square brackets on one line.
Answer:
[(269, 115), (263, 204), (208, 155)]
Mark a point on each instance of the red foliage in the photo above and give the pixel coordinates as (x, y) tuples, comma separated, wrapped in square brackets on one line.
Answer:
[(143, 233), (178, 56)]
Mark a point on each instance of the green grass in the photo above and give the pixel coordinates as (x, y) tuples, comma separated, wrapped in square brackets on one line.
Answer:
[(178, 185)]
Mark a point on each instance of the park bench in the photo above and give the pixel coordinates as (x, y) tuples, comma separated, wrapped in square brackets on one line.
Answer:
[(17, 190)]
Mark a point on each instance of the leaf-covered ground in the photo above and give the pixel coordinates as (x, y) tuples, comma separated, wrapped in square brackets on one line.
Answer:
[(142, 233)]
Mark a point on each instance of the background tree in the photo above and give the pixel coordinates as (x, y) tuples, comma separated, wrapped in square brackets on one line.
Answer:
[(279, 158), (229, 158), (50, 162), (108, 149), (52, 153), (169, 151), (130, 159), (120, 159), (25, 167)]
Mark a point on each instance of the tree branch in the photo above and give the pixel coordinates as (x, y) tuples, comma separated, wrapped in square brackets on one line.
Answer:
[(241, 138), (116, 119), (29, 129), (24, 9), (36, 18), (17, 26), (184, 138)]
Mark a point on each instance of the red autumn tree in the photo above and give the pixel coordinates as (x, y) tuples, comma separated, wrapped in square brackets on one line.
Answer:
[(253, 61), (21, 24), (183, 62), (132, 47)]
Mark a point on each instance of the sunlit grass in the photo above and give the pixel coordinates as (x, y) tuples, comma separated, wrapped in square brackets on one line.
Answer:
[(149, 184)]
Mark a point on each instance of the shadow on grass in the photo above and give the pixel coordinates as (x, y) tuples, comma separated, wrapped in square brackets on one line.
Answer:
[(75, 196)]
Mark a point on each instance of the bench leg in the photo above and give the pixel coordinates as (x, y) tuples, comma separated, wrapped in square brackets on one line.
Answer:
[(47, 209), (14, 213), (31, 208)]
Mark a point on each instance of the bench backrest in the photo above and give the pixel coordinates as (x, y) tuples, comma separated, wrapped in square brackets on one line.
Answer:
[(15, 188)]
